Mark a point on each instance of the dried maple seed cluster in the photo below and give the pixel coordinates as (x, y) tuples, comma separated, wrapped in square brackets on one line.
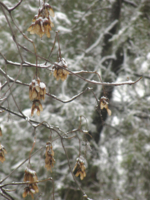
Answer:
[(104, 104), (49, 160), (37, 91), (42, 23), (36, 105), (2, 153), (60, 73), (79, 169), (32, 188)]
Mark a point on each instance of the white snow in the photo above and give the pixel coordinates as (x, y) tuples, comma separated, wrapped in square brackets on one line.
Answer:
[(42, 85), (30, 171), (148, 56), (27, 112), (62, 29), (62, 16), (144, 67)]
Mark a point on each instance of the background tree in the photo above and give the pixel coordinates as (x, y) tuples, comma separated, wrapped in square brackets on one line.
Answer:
[(102, 41)]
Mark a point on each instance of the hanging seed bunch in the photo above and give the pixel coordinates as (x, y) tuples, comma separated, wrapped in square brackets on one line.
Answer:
[(104, 101), (42, 23), (2, 153), (49, 160), (60, 73), (32, 188), (37, 91), (36, 105), (79, 169)]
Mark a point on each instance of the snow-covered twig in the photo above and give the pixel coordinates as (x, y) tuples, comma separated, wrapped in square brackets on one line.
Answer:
[(101, 36)]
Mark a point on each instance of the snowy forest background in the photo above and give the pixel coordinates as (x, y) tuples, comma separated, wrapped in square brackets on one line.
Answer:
[(108, 37)]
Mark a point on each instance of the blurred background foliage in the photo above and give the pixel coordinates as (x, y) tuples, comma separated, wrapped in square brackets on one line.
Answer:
[(117, 152)]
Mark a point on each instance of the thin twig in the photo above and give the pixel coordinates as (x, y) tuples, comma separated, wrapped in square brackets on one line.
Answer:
[(12, 32), (70, 167), (52, 47), (11, 9)]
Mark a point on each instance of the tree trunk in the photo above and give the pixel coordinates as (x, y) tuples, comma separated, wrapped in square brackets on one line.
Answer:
[(99, 119)]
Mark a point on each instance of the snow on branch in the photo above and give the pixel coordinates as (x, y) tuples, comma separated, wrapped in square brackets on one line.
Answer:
[(101, 36), (76, 74)]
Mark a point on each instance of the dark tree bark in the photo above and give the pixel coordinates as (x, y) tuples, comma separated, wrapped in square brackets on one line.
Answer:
[(99, 119)]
